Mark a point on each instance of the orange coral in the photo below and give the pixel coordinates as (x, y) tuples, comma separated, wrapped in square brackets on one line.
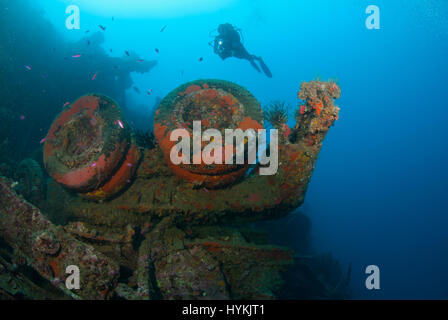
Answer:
[(192, 89), (74, 152)]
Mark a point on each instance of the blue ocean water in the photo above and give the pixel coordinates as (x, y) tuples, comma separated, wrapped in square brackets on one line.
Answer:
[(377, 195)]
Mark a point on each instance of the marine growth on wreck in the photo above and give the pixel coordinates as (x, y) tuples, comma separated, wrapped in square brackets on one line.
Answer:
[(131, 216), (102, 197)]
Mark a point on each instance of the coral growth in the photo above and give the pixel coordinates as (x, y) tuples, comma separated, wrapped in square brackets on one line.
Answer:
[(217, 104), (159, 238), (318, 113), (40, 245), (87, 148)]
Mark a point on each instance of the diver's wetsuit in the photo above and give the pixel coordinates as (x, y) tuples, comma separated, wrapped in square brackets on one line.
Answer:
[(228, 44)]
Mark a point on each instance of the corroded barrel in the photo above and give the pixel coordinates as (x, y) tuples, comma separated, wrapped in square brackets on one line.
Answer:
[(89, 148), (217, 105)]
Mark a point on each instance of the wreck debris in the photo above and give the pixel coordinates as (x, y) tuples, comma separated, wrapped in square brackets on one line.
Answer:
[(86, 151), (49, 250), (22, 282), (216, 104), (157, 192), (159, 239), (31, 182), (120, 179), (208, 268)]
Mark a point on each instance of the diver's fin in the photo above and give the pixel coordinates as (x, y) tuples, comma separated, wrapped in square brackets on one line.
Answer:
[(254, 65), (265, 68)]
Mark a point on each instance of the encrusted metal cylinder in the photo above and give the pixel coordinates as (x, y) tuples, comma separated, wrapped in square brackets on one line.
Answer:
[(217, 105), (89, 148)]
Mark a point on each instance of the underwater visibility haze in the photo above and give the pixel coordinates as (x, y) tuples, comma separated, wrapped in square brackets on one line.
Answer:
[(91, 90)]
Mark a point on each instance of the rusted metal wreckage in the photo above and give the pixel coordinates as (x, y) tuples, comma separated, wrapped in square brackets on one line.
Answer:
[(141, 227)]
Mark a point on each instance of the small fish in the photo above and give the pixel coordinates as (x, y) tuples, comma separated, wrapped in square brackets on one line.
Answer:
[(102, 28), (136, 89), (157, 50), (43, 140), (66, 104), (76, 56), (205, 189), (200, 59), (140, 60), (94, 76), (88, 42), (113, 19), (163, 28), (149, 92), (120, 124), (28, 68), (87, 31), (127, 53), (22, 117), (110, 50), (129, 164), (93, 165)]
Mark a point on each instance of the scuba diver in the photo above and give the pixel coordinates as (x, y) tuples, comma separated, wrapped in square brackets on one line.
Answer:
[(228, 44)]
